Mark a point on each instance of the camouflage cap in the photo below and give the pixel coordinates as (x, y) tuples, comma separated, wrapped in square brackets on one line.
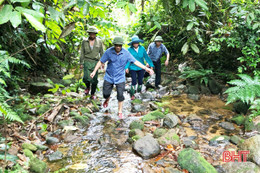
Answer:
[(92, 29), (118, 40)]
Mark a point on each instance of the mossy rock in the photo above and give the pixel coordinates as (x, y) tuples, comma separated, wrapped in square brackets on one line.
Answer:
[(64, 123), (192, 161), (43, 108), (41, 147), (193, 90), (74, 113), (83, 120), (240, 107), (159, 132), (170, 138), (249, 125), (29, 146), (136, 137), (84, 110), (37, 166), (239, 119), (137, 124), (155, 115), (28, 153), (137, 101), (222, 139)]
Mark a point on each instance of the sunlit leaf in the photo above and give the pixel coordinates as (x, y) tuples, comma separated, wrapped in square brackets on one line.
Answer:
[(34, 22), (185, 3), (202, 4), (192, 5), (26, 1), (85, 9), (195, 48), (35, 14), (15, 18), (5, 13), (190, 25), (121, 4), (132, 8), (185, 48)]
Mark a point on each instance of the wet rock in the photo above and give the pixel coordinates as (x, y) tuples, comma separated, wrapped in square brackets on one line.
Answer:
[(162, 91), (253, 145), (43, 108), (55, 156), (128, 167), (138, 108), (175, 93), (147, 147), (219, 140), (240, 107), (136, 132), (137, 124), (243, 167), (29, 146), (136, 101), (37, 166), (235, 139), (147, 96), (52, 140), (64, 123), (214, 87), (227, 125), (155, 115), (189, 143), (203, 112), (28, 153), (215, 116), (181, 88), (193, 161), (39, 87), (153, 106), (194, 97), (159, 132), (170, 138), (172, 170), (171, 120), (195, 121), (193, 90), (204, 90)]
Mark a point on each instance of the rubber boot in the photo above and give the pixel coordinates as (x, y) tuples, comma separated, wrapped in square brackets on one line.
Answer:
[(139, 89)]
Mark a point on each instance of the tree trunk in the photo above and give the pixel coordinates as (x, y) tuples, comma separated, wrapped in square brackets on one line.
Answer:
[(142, 4)]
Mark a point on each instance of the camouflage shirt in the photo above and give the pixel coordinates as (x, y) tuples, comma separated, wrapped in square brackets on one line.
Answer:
[(87, 53)]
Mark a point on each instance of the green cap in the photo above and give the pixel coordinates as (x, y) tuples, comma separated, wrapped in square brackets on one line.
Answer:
[(92, 29), (118, 40), (158, 38)]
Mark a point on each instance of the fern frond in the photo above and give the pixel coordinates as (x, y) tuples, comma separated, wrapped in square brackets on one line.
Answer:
[(9, 114)]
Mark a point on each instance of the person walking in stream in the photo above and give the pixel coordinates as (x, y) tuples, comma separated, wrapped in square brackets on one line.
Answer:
[(117, 58), (91, 51), (139, 53), (155, 51)]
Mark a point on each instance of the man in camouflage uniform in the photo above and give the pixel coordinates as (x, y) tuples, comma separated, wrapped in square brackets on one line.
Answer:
[(91, 51)]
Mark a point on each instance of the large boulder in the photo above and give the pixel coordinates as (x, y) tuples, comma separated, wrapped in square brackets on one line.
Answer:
[(193, 90), (253, 145), (193, 161), (147, 147), (214, 87), (171, 120), (170, 138), (240, 167)]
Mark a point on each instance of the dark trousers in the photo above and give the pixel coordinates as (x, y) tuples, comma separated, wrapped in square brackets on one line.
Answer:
[(157, 70), (137, 75), (108, 87), (88, 68)]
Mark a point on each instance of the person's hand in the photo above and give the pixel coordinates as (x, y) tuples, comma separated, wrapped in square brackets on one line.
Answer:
[(92, 74), (81, 66), (150, 71), (126, 70), (147, 65), (166, 62)]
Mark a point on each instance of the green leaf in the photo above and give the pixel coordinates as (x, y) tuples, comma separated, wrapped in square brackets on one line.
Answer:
[(71, 3), (185, 3), (5, 13), (21, 1), (37, 15), (68, 77), (9, 157), (54, 14), (85, 9), (192, 5), (81, 3), (1, 1), (132, 8), (121, 4), (35, 23), (190, 25), (177, 2), (185, 48), (16, 18), (202, 4), (195, 48)]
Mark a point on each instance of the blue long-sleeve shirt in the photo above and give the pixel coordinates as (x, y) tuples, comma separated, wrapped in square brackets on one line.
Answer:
[(115, 72), (139, 56), (155, 53)]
